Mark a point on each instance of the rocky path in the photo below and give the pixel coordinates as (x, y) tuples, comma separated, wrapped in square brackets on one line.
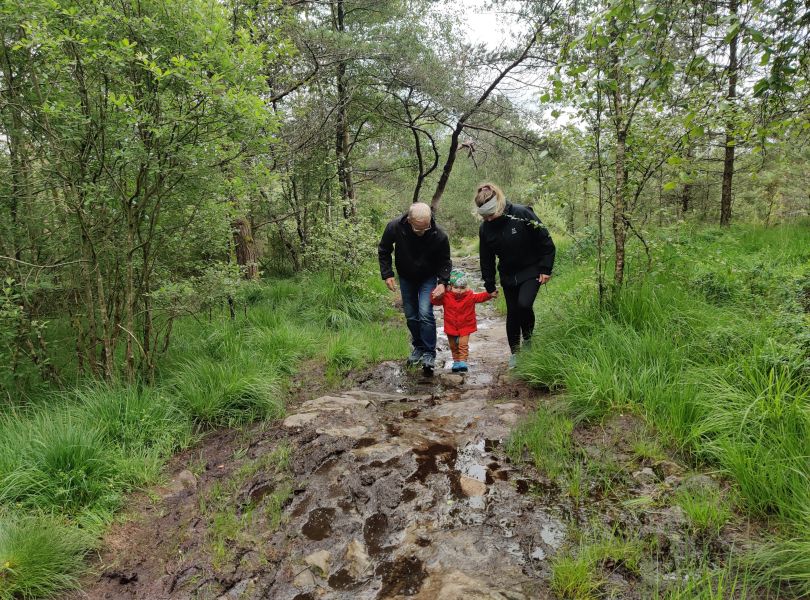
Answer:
[(398, 488)]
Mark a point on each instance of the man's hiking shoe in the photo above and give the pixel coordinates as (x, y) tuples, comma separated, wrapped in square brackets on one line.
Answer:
[(415, 357), (428, 364), (462, 366), (456, 366), (513, 361)]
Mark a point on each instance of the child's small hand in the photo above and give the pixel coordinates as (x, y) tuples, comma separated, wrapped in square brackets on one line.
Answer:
[(494, 294)]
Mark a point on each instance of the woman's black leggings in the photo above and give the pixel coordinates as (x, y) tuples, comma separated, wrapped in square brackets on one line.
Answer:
[(519, 311)]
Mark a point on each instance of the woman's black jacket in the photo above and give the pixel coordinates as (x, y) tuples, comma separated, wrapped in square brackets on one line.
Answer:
[(521, 243)]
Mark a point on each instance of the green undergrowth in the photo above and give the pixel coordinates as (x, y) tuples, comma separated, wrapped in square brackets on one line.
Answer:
[(68, 457), (712, 346)]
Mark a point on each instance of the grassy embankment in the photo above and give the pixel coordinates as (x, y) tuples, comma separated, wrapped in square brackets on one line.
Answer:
[(711, 348), (67, 461)]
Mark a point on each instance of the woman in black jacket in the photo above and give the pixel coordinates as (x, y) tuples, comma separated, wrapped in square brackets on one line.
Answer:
[(525, 252)]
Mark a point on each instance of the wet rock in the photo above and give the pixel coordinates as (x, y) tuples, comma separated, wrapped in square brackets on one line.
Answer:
[(451, 379), (357, 559), (472, 487), (300, 419), (320, 561), (645, 476), (355, 432)]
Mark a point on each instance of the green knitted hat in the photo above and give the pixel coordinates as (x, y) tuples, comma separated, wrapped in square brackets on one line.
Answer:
[(458, 279)]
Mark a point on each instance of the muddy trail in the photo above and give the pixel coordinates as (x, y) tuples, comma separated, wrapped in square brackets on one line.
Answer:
[(399, 487)]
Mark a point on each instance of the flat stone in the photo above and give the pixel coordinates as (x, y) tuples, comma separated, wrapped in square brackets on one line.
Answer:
[(183, 483), (383, 398), (451, 378), (187, 479), (300, 419), (509, 406), (699, 483), (357, 559), (472, 487), (334, 403), (668, 468), (238, 591), (456, 585), (320, 560), (645, 476), (355, 432), (305, 580), (509, 418)]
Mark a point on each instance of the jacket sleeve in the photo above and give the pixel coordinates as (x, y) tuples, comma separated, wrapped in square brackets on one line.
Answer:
[(481, 297), (487, 259), (384, 250), (540, 236), (445, 263)]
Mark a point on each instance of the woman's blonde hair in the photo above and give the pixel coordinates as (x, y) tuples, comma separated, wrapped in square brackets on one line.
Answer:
[(484, 193)]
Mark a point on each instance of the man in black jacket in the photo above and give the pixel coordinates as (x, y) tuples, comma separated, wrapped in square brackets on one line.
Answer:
[(422, 259), (525, 252)]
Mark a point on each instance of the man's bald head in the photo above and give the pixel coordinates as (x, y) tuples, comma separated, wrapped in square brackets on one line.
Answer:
[(420, 211), (419, 217)]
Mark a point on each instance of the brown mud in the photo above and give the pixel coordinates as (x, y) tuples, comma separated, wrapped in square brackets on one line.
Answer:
[(397, 488)]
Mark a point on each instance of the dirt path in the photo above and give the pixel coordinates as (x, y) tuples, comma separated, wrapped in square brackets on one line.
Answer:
[(397, 488)]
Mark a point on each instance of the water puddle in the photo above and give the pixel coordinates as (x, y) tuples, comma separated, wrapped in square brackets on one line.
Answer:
[(319, 525), (402, 576), (427, 460), (343, 581), (375, 532)]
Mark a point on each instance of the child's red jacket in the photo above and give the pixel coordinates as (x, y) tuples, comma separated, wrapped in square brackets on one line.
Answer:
[(459, 310)]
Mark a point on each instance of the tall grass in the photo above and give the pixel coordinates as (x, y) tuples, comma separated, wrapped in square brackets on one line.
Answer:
[(712, 346), (73, 455), (39, 556)]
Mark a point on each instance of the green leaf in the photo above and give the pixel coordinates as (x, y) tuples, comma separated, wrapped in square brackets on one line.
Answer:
[(670, 185)]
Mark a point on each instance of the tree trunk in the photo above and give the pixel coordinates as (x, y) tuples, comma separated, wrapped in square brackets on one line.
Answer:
[(247, 256), (16, 148), (619, 229), (342, 121), (728, 161), (686, 192)]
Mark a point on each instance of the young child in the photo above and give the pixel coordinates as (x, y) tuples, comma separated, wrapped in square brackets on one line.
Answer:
[(459, 316)]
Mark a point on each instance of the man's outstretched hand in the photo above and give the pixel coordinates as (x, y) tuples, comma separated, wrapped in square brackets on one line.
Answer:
[(438, 291), (391, 283)]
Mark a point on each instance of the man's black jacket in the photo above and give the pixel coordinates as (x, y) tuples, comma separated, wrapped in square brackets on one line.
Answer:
[(521, 243), (416, 257)]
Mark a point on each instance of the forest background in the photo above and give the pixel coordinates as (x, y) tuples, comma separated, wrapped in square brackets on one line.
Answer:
[(190, 175)]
